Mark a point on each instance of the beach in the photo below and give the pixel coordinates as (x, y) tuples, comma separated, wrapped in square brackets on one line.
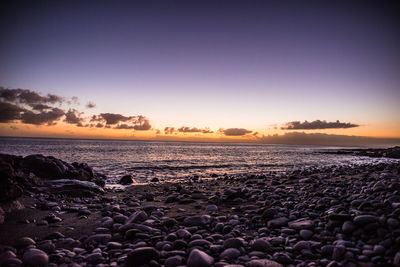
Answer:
[(327, 216)]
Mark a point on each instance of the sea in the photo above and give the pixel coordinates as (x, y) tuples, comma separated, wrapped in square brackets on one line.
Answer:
[(166, 161)]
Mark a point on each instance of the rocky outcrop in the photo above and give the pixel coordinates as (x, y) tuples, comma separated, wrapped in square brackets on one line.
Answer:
[(393, 152), (24, 173)]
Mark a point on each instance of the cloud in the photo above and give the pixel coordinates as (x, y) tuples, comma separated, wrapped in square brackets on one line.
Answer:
[(30, 107), (44, 117), (111, 118), (184, 129), (73, 116), (28, 97), (317, 124), (124, 126), (236, 132), (90, 105), (169, 130), (142, 124), (9, 112), (301, 138)]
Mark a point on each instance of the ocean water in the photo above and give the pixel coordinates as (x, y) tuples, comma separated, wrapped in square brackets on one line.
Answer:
[(179, 160)]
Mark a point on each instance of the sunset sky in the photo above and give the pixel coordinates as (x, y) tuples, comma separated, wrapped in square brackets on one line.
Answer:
[(200, 70)]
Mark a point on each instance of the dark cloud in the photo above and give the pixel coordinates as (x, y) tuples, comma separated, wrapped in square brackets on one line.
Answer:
[(184, 129), (301, 138), (30, 107), (28, 97), (44, 117), (317, 125), (169, 130), (236, 132), (112, 118), (9, 112), (90, 105), (73, 116)]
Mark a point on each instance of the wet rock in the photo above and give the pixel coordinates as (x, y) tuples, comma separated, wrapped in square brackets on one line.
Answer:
[(73, 187), (143, 255), (198, 258), (126, 180), (35, 257)]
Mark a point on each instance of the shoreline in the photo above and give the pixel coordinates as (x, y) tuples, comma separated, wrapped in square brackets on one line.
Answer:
[(333, 216)]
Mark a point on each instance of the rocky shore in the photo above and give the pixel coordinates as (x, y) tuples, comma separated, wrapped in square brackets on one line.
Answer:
[(392, 152), (59, 214)]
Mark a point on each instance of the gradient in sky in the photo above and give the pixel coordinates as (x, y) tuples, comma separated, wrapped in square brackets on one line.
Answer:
[(253, 65)]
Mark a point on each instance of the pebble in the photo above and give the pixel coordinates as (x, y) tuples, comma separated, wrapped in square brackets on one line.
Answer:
[(198, 258), (306, 234), (35, 257), (230, 253), (261, 244)]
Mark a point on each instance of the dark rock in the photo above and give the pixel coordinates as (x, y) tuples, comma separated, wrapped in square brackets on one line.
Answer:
[(198, 258), (195, 221), (126, 180), (301, 224), (261, 245), (278, 222), (365, 219), (137, 217), (299, 246), (174, 261), (24, 242), (35, 257), (233, 243), (140, 256), (74, 188), (230, 253)]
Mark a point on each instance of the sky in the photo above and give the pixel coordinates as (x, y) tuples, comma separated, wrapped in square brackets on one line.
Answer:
[(239, 71)]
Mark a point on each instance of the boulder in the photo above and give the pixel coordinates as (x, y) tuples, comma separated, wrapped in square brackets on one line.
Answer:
[(74, 187)]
